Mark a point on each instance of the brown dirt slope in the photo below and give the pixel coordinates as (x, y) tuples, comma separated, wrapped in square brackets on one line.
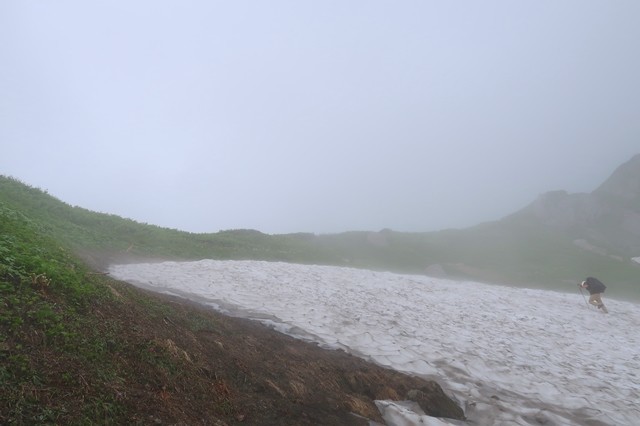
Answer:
[(165, 360)]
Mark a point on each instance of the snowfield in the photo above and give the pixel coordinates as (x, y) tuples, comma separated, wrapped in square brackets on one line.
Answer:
[(507, 355)]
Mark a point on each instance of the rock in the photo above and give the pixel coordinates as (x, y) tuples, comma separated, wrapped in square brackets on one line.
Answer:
[(434, 402)]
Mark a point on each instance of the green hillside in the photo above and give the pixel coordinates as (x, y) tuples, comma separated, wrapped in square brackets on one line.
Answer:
[(512, 251), (77, 347)]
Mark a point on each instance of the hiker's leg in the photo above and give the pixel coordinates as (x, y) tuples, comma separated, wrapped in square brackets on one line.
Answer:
[(596, 299), (600, 304)]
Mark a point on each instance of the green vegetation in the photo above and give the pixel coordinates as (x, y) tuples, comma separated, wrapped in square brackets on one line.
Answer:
[(529, 255), (89, 232), (513, 252), (77, 347), (43, 296)]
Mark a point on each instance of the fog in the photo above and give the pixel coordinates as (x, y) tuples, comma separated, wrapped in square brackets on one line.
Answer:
[(320, 117)]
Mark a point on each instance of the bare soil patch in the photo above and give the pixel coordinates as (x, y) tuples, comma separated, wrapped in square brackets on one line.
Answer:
[(236, 371)]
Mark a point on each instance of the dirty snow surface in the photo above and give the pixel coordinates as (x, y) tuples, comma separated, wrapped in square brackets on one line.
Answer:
[(507, 355)]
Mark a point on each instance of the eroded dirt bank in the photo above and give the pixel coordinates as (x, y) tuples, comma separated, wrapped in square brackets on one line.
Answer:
[(237, 371)]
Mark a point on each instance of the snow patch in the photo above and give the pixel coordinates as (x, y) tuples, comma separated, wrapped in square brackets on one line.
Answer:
[(508, 355)]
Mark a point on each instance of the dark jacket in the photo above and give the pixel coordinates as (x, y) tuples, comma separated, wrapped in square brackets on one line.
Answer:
[(594, 285)]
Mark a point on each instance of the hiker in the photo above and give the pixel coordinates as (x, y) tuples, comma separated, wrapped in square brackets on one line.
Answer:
[(595, 288)]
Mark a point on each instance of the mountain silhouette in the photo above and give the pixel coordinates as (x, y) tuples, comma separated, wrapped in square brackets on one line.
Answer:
[(607, 218)]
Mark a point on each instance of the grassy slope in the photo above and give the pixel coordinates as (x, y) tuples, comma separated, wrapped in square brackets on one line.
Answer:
[(106, 234), (523, 254), (510, 251), (501, 252), (79, 348)]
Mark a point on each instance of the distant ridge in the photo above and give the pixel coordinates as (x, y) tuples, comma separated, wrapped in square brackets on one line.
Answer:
[(608, 217), (623, 186)]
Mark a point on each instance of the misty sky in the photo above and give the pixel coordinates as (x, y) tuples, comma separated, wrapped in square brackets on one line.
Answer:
[(324, 116)]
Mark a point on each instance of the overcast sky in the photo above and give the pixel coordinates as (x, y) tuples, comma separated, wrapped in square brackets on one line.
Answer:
[(317, 116)]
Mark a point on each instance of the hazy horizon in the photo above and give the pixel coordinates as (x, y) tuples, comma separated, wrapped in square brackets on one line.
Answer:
[(330, 117)]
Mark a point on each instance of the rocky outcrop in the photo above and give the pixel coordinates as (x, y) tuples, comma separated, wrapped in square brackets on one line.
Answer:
[(434, 402)]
